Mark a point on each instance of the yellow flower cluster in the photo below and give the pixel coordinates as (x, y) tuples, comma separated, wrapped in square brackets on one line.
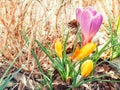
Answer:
[(79, 54)]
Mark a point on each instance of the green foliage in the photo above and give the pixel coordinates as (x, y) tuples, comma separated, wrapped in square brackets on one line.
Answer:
[(66, 68), (3, 82), (47, 79)]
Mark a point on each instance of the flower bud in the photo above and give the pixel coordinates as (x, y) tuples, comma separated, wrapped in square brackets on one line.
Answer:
[(86, 68), (58, 48)]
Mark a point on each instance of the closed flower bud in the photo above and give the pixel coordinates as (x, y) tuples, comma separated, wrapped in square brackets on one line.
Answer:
[(86, 68), (58, 48)]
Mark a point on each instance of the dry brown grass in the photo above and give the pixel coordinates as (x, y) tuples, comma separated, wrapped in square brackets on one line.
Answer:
[(44, 20)]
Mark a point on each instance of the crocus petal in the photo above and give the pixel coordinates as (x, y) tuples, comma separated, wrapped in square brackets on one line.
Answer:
[(78, 14), (95, 25), (86, 68), (86, 20), (85, 39), (58, 48), (90, 22), (86, 51), (92, 10), (85, 23), (75, 54)]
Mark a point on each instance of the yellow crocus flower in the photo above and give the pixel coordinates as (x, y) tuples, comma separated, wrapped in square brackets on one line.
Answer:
[(86, 68), (58, 48), (86, 51)]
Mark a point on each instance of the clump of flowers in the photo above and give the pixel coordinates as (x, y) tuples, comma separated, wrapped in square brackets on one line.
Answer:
[(79, 54), (90, 22)]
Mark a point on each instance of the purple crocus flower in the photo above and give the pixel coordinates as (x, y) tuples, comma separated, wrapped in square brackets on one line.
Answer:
[(90, 22)]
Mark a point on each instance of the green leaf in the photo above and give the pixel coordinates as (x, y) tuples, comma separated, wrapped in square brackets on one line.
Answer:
[(39, 66), (6, 72), (8, 79), (44, 50)]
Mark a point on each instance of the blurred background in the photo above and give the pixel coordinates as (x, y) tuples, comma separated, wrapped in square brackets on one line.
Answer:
[(44, 20)]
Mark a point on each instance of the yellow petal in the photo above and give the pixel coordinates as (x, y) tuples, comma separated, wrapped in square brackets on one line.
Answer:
[(86, 51), (58, 48), (75, 54), (86, 68)]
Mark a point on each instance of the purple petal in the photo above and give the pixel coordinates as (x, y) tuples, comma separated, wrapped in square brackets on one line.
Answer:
[(78, 14), (95, 24), (85, 39), (92, 10), (85, 25), (85, 22)]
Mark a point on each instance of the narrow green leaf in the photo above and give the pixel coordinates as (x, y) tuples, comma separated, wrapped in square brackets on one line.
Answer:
[(9, 78), (6, 72), (44, 50)]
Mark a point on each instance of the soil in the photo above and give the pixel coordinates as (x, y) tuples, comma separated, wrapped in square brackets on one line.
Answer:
[(33, 80)]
